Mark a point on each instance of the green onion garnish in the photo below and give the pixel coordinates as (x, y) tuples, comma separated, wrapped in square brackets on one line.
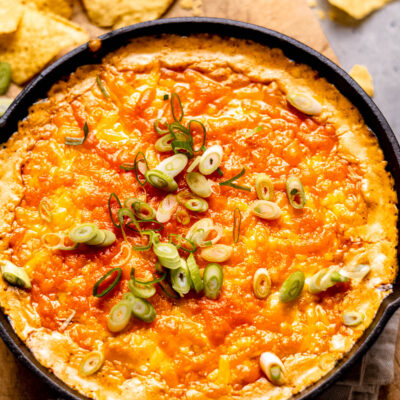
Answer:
[(253, 132), (213, 278), (180, 108), (153, 281), (292, 287), (143, 211), (83, 233), (220, 173), (196, 204), (163, 144), (91, 363), (158, 128), (101, 87), (181, 239), (295, 192), (183, 217), (166, 97), (230, 182), (144, 292), (127, 166), (72, 141), (195, 273), (353, 318), (167, 254), (264, 187), (168, 291), (173, 166), (143, 310), (44, 211), (261, 283), (160, 180), (211, 160), (180, 278), (14, 275), (111, 286), (136, 167), (119, 316), (237, 220), (204, 132), (126, 212), (110, 211)]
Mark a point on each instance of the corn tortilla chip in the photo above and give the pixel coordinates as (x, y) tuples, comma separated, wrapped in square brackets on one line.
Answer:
[(361, 75), (124, 12), (39, 38), (59, 7), (359, 8), (10, 16)]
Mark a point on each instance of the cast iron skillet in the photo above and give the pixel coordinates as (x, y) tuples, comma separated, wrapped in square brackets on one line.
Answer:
[(296, 51)]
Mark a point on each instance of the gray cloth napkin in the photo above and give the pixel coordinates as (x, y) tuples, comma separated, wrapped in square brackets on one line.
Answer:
[(375, 369)]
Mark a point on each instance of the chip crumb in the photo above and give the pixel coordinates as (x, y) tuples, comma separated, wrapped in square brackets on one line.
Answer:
[(362, 76), (359, 9), (196, 6)]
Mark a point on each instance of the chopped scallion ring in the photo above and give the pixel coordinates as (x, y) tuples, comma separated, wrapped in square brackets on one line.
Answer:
[(295, 192), (305, 103), (237, 221), (137, 162), (180, 278), (194, 164), (166, 208), (73, 141), (149, 242), (163, 144), (83, 233), (119, 316), (353, 318), (110, 286), (98, 239), (144, 292), (194, 273), (357, 272), (143, 310), (324, 279), (266, 209), (101, 87), (158, 126), (167, 254), (108, 240), (127, 166), (261, 283), (273, 368), (183, 217), (160, 180), (59, 244), (168, 291), (213, 278), (110, 211), (127, 212), (204, 133), (144, 211), (91, 363), (173, 166), (230, 182), (14, 275), (264, 187), (198, 184), (196, 204), (177, 114), (217, 253), (211, 160), (181, 239), (292, 287), (44, 211)]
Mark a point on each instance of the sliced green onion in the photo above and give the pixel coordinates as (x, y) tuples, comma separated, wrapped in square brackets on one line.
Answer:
[(5, 77), (295, 192), (129, 202), (14, 275), (196, 205), (198, 184), (158, 225), (264, 187), (108, 240), (194, 273), (153, 281), (353, 318), (123, 256), (166, 97), (110, 286), (203, 128), (157, 126), (183, 217), (128, 297), (83, 233), (91, 363), (167, 254), (143, 310), (220, 173), (237, 221), (60, 245), (181, 239), (166, 208), (149, 243), (304, 103), (73, 141), (101, 87), (137, 168), (211, 160), (182, 147), (177, 114), (273, 368), (213, 279), (168, 291), (144, 292), (143, 210), (253, 132), (44, 211), (127, 212), (110, 211), (324, 279), (163, 144), (266, 209), (217, 253), (127, 166), (194, 164), (173, 166), (160, 180), (120, 316), (230, 182), (261, 283), (98, 239), (180, 278), (201, 230), (292, 287), (357, 272)]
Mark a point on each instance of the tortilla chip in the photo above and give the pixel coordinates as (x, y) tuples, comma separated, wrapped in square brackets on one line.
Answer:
[(10, 16), (39, 38), (361, 75), (359, 9), (124, 12), (59, 7)]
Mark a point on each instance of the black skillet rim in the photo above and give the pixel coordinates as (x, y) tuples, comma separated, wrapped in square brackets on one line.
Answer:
[(293, 49)]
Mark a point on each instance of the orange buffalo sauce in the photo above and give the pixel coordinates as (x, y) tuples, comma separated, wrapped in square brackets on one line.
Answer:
[(191, 338)]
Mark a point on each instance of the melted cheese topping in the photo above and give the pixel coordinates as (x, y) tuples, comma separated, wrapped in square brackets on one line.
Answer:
[(196, 347)]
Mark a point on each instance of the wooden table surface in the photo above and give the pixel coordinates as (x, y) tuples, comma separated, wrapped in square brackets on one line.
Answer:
[(292, 17)]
